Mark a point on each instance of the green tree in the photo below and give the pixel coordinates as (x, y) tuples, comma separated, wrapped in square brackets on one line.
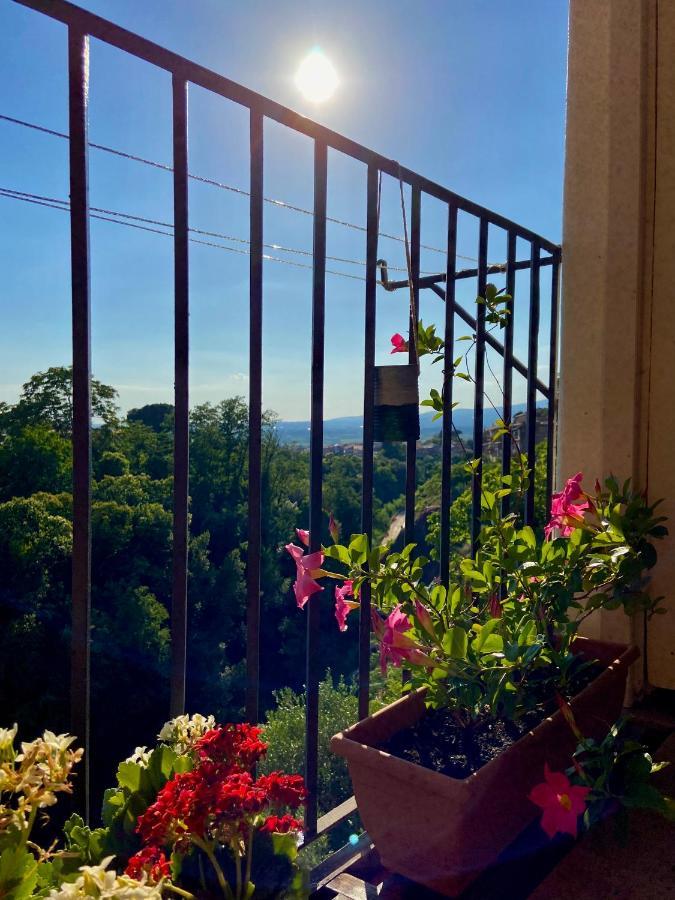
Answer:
[(36, 458), (158, 416), (47, 399)]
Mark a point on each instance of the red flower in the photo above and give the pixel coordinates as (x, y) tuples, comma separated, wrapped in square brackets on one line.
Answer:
[(236, 746), (284, 790), (281, 824), (561, 801), (399, 343), (151, 861)]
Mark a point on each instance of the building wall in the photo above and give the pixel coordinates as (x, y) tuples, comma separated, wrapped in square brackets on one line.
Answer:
[(617, 387)]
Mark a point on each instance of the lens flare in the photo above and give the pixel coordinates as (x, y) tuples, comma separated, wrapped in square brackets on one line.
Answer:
[(316, 79)]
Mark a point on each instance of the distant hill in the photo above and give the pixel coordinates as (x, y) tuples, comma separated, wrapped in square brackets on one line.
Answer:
[(349, 429)]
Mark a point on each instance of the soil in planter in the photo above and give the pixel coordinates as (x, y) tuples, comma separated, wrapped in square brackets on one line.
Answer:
[(439, 743)]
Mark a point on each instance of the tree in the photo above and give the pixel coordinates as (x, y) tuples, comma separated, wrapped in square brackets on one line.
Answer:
[(34, 459), (47, 399), (158, 416)]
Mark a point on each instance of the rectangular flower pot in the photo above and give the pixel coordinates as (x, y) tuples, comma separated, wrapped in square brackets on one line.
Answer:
[(443, 832)]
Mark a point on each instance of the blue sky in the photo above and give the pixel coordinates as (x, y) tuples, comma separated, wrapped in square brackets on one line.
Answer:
[(471, 94)]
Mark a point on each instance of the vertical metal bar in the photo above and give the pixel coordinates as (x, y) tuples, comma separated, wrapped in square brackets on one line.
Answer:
[(448, 379), (411, 448), (507, 411), (181, 448), (552, 378), (479, 377), (78, 76), (368, 405), (254, 421), (315, 480), (532, 378)]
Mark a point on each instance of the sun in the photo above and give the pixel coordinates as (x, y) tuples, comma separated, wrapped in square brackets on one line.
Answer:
[(316, 78)]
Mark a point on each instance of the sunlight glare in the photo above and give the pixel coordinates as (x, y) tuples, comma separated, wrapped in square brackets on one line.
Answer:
[(316, 78)]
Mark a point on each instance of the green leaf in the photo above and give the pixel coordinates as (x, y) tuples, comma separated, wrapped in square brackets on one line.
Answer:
[(482, 636), (528, 536), (18, 873), (129, 775), (455, 642)]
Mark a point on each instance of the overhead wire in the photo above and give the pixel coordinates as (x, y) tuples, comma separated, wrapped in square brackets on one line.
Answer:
[(223, 186), (64, 206)]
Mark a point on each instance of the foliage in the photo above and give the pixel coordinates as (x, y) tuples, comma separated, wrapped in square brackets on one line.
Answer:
[(185, 818), (285, 733), (617, 770), (47, 399), (498, 642)]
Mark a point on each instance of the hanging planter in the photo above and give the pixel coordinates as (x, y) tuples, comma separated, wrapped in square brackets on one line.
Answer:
[(396, 414)]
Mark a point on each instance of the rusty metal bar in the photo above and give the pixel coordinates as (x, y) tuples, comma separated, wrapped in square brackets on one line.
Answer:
[(254, 422), (80, 685), (181, 448), (315, 483)]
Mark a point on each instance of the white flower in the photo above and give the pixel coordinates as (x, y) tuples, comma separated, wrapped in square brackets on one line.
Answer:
[(140, 756), (182, 732), (99, 881), (7, 736)]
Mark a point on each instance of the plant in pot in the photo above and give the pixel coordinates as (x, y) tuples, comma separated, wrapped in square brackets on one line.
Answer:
[(501, 687)]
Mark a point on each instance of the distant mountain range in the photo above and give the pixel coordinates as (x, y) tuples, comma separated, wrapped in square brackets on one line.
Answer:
[(349, 429)]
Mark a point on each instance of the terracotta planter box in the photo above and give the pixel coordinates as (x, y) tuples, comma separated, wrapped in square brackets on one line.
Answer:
[(443, 832)]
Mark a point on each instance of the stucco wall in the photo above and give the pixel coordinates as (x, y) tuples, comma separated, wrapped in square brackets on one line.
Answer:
[(617, 399)]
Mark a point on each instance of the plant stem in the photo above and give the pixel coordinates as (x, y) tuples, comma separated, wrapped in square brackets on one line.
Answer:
[(222, 881), (249, 861), (237, 866), (176, 890)]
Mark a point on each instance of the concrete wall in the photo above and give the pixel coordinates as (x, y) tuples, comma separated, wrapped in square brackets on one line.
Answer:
[(617, 394)]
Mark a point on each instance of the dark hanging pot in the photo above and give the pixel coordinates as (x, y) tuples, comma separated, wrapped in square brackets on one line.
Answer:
[(396, 414)]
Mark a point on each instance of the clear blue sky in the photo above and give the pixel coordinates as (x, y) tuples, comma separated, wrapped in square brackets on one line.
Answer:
[(471, 94)]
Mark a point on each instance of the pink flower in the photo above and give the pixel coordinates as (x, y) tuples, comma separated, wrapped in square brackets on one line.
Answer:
[(567, 508), (424, 618), (303, 536), (333, 529), (395, 645), (399, 343), (562, 802), (308, 567), (495, 607), (343, 606)]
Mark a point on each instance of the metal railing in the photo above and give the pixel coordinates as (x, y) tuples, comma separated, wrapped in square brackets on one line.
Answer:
[(81, 25)]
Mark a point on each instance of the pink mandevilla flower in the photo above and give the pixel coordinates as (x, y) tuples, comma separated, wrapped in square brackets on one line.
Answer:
[(303, 536), (333, 529), (562, 802), (395, 645), (399, 343), (307, 568), (343, 606), (424, 618), (567, 508)]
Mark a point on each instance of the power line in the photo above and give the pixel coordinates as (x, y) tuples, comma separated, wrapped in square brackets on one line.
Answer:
[(64, 206), (222, 186)]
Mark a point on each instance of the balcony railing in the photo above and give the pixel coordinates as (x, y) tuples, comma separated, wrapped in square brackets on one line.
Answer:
[(542, 253)]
